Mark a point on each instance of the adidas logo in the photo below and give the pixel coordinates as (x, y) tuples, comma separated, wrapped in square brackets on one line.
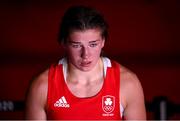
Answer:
[(62, 103)]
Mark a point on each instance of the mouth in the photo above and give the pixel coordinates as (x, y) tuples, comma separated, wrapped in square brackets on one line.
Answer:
[(85, 63)]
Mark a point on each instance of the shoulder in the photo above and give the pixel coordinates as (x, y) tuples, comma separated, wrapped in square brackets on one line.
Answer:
[(130, 86), (37, 97), (41, 81), (131, 95), (38, 87), (128, 78)]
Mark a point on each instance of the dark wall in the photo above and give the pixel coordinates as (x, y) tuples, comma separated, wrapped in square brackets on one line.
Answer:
[(143, 35)]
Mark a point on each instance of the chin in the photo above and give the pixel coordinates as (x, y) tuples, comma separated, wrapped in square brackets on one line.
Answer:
[(85, 69)]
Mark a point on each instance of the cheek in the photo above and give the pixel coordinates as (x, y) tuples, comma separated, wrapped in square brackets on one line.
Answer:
[(97, 52), (73, 53)]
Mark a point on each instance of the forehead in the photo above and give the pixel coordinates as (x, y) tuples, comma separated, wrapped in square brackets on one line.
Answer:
[(88, 34)]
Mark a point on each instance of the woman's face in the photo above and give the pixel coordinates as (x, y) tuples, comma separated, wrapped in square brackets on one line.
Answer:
[(84, 48)]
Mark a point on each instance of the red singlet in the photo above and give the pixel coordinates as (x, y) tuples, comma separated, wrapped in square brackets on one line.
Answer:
[(63, 105)]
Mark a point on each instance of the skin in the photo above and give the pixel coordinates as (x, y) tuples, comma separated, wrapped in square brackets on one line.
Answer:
[(85, 78)]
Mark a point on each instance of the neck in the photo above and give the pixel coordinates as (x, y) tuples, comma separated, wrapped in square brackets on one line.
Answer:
[(84, 77)]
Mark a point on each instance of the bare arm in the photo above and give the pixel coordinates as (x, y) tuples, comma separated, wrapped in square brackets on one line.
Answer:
[(36, 98), (132, 96)]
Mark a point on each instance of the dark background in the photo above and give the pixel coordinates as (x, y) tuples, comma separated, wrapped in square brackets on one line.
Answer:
[(143, 36)]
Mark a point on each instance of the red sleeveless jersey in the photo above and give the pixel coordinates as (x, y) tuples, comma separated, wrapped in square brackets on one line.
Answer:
[(63, 105)]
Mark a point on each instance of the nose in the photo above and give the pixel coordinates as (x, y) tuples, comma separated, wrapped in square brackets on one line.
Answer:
[(85, 52)]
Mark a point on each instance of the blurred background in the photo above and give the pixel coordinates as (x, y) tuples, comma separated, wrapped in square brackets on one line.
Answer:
[(144, 35)]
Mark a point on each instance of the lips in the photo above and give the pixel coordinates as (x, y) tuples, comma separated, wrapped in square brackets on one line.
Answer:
[(85, 63)]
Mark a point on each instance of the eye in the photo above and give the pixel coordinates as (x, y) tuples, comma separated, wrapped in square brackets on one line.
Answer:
[(76, 45), (93, 45)]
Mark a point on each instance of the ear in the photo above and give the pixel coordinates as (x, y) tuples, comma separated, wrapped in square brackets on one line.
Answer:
[(103, 43)]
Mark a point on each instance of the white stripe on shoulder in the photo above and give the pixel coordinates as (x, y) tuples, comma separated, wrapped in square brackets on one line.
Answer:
[(106, 63), (63, 61), (121, 110)]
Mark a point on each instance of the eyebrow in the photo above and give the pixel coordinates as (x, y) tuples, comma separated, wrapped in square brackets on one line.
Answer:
[(94, 41), (74, 42)]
